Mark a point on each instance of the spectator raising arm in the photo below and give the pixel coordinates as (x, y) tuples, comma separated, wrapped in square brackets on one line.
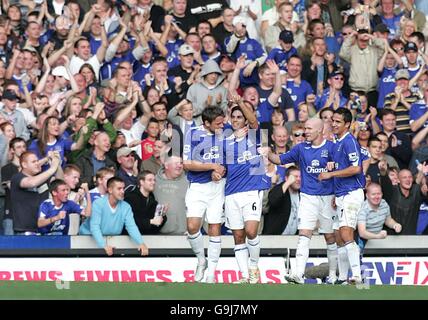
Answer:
[(114, 44), (419, 137), (277, 89), (101, 52), (31, 182)]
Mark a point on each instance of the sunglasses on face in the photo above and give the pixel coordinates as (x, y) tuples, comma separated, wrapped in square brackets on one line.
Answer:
[(338, 78), (299, 134)]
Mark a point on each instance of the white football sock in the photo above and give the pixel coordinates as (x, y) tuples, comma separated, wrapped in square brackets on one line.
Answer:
[(254, 251), (343, 263), (241, 255), (332, 260), (354, 258), (197, 243), (302, 254), (214, 249)]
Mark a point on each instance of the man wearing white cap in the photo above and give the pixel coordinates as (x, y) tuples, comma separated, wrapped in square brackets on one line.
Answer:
[(249, 10), (239, 44), (128, 169), (184, 74)]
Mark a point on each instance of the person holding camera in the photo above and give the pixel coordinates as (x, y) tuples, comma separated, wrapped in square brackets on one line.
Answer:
[(363, 51)]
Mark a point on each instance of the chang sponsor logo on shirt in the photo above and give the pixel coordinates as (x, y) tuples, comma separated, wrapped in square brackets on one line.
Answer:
[(314, 167), (247, 156), (212, 154), (389, 78)]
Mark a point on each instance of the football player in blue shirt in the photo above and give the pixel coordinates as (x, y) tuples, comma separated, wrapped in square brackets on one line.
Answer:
[(202, 155), (316, 197), (349, 182), (53, 215), (245, 181)]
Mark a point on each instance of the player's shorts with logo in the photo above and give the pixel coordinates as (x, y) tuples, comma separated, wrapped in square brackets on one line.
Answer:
[(206, 198), (348, 207), (316, 208), (241, 207)]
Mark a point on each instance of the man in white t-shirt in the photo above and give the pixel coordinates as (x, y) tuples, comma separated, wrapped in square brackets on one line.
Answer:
[(82, 54)]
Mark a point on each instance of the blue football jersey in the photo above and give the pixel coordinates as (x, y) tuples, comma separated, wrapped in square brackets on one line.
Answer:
[(205, 147), (245, 166), (312, 160), (48, 210), (348, 153)]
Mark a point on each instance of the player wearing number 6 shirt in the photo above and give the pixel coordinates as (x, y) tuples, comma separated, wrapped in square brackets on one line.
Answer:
[(316, 197), (349, 182), (245, 181), (202, 156)]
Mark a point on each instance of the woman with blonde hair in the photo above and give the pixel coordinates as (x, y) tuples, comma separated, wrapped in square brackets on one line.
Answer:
[(407, 27)]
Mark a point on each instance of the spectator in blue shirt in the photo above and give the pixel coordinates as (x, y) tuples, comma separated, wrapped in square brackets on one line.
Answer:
[(239, 44), (53, 215), (332, 97), (283, 54)]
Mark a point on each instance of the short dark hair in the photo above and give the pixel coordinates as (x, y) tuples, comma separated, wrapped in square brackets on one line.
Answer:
[(55, 184), (314, 22), (143, 174), (158, 103), (345, 113), (81, 38), (211, 113), (373, 139), (31, 22), (15, 141), (381, 133), (324, 110), (418, 35), (395, 41), (204, 22), (386, 112), (153, 120), (113, 180), (159, 59), (292, 168), (32, 14), (295, 56)]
